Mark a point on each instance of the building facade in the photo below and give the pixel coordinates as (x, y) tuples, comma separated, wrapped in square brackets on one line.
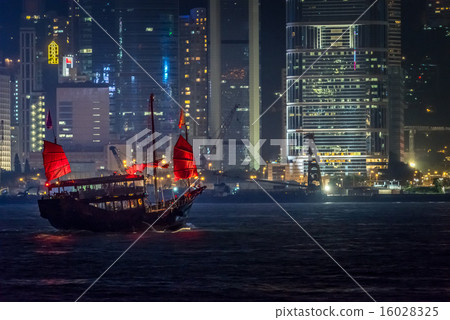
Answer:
[(36, 31), (438, 13), (396, 91), (343, 97), (31, 98), (82, 116), (148, 31), (234, 71), (5, 122), (193, 66)]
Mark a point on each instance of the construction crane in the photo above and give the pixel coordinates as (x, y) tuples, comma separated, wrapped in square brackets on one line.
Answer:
[(314, 175), (119, 161), (220, 133)]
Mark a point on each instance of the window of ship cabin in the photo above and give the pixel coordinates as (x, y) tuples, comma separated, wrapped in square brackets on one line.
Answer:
[(133, 203), (139, 183), (101, 205), (117, 205), (125, 204), (109, 206)]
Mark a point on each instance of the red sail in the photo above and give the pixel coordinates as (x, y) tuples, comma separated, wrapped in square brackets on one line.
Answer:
[(141, 167), (183, 160), (55, 161)]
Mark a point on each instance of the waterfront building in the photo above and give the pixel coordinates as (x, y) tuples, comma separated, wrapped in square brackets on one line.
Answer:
[(344, 99), (5, 122)]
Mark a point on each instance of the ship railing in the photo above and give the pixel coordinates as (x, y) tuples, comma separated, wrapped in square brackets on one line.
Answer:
[(176, 202)]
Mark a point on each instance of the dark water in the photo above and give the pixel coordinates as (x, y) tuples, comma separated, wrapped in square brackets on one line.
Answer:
[(251, 252)]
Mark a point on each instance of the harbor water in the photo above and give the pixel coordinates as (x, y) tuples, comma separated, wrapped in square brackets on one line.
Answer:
[(236, 252)]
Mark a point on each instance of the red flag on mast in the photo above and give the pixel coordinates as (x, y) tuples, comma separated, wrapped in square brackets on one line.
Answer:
[(182, 121), (48, 121)]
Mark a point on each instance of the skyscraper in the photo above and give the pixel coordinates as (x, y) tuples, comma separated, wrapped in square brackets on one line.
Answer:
[(343, 98), (396, 76), (234, 70), (5, 122), (438, 13), (33, 46), (12, 70), (32, 100), (81, 36), (193, 66)]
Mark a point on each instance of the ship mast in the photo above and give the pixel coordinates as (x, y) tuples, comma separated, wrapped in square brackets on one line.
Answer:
[(155, 179), (186, 132)]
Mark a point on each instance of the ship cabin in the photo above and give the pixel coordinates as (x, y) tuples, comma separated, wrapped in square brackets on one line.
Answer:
[(112, 193)]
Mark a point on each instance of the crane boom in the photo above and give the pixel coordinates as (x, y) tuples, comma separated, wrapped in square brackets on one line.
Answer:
[(314, 174), (219, 134), (118, 159)]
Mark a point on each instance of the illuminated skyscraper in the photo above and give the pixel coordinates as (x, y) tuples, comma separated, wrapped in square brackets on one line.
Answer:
[(5, 122), (81, 36), (194, 71), (31, 99), (438, 13), (396, 103), (343, 98), (148, 31)]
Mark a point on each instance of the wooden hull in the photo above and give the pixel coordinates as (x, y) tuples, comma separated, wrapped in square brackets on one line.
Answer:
[(73, 214)]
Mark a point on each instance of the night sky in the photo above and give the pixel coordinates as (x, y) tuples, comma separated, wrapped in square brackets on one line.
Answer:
[(417, 44)]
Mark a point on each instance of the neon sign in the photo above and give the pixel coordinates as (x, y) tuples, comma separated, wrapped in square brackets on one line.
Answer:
[(53, 53)]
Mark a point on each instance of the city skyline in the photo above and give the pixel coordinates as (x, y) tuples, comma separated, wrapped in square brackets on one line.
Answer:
[(217, 151), (432, 24)]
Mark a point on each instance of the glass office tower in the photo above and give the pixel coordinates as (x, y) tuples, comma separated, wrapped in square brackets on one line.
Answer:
[(148, 31), (342, 97)]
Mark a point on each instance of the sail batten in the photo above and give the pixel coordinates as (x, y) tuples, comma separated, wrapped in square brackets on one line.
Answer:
[(183, 160), (55, 161)]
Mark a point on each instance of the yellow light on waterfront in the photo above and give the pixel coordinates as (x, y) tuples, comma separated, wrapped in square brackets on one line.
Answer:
[(412, 164)]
